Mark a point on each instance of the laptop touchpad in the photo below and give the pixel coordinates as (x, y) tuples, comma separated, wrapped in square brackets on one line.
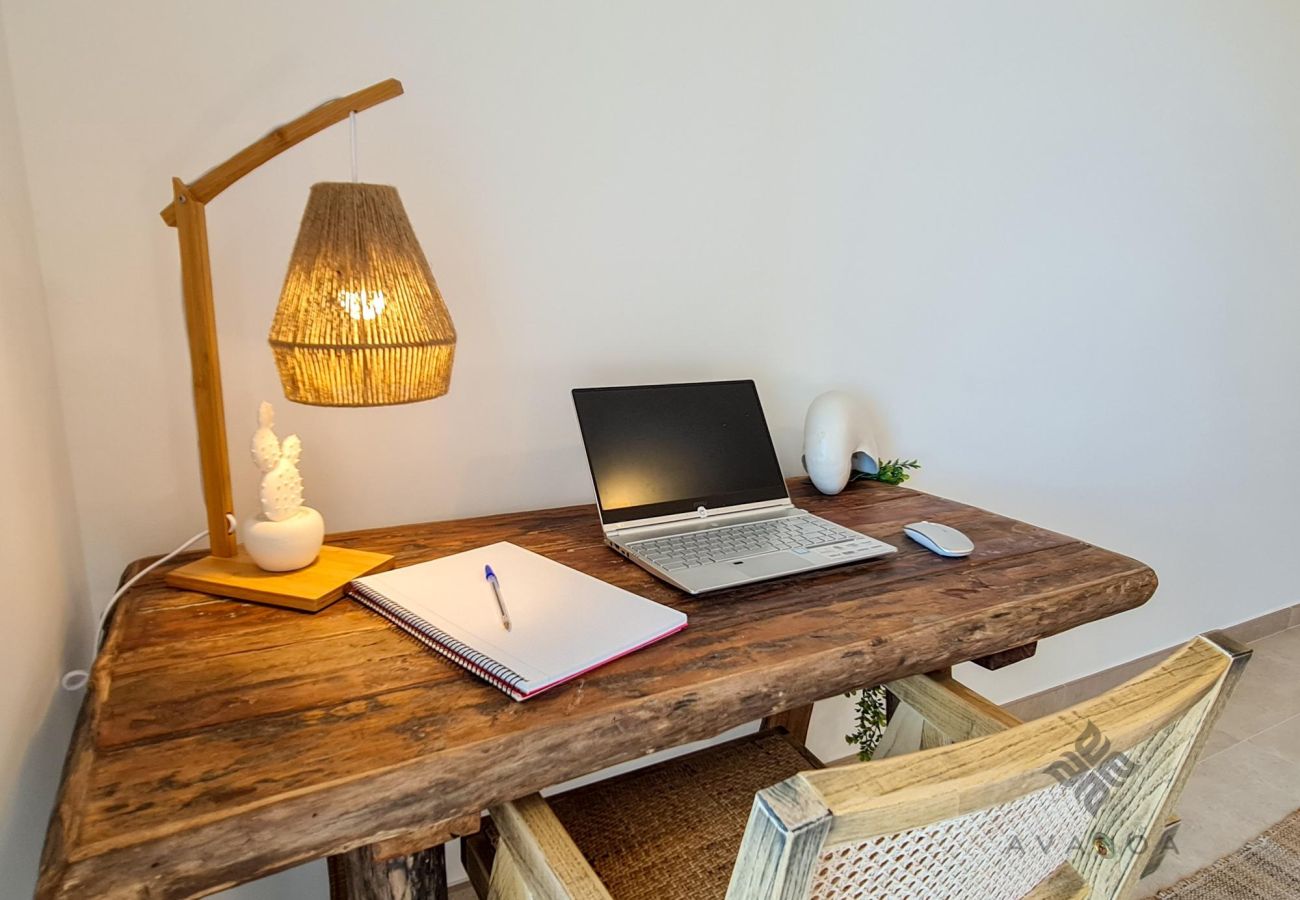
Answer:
[(726, 574), (769, 564)]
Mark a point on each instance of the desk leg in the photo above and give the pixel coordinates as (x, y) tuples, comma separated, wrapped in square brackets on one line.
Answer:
[(357, 875), (794, 721)]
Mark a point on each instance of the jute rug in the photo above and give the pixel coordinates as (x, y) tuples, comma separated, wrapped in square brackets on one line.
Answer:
[(1266, 868)]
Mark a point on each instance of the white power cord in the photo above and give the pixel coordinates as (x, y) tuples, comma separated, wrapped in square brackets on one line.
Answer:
[(77, 678)]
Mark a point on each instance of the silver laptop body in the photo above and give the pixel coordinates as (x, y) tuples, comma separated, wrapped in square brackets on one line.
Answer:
[(688, 487)]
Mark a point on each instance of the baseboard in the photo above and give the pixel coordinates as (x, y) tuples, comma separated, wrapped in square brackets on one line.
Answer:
[(1065, 695)]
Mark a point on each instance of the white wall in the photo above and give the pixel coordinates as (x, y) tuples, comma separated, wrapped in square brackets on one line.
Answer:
[(1055, 244), (42, 603)]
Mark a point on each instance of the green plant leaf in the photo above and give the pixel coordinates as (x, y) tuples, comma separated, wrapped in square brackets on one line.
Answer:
[(871, 720), (890, 471)]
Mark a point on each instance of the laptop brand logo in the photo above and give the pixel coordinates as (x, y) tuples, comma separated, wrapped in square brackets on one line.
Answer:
[(702, 512)]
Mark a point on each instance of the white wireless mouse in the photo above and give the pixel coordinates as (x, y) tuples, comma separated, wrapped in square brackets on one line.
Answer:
[(940, 539)]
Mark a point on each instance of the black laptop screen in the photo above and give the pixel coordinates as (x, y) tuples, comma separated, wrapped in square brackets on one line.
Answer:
[(672, 448)]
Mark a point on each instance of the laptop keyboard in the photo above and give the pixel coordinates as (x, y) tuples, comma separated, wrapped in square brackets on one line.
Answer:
[(797, 533)]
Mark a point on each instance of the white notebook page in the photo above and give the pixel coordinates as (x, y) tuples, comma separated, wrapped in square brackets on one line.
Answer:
[(563, 621)]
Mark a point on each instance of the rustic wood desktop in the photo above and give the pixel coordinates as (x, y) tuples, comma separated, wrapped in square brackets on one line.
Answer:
[(222, 741)]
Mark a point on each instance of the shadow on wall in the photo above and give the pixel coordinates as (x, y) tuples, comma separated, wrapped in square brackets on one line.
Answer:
[(26, 811)]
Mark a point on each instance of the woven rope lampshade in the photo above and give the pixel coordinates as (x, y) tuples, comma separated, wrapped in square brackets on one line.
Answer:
[(360, 320)]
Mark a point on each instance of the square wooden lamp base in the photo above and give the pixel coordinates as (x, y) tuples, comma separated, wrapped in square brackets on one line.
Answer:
[(310, 589)]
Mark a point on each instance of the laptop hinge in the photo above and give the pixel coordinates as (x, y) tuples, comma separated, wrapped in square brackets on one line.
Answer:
[(702, 514)]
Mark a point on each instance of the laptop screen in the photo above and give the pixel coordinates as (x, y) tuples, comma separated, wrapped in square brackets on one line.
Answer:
[(672, 448)]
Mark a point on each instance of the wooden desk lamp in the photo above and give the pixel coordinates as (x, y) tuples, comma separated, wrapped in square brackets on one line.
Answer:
[(360, 323)]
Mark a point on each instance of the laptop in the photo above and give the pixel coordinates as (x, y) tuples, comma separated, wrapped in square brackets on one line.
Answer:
[(689, 488)]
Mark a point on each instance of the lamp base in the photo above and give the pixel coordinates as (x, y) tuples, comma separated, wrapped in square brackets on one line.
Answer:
[(309, 589)]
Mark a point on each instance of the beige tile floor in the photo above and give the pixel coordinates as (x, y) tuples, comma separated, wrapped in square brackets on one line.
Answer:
[(1249, 775)]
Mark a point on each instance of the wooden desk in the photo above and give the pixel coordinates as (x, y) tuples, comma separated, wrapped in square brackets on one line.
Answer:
[(221, 741)]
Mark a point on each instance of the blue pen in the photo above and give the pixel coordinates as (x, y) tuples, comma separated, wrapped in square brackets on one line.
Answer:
[(496, 589)]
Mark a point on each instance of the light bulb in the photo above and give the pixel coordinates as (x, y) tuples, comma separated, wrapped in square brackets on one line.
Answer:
[(362, 304)]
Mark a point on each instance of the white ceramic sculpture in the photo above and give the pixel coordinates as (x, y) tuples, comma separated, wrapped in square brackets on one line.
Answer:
[(286, 535), (837, 442)]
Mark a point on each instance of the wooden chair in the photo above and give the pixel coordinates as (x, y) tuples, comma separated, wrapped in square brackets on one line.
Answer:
[(1067, 806)]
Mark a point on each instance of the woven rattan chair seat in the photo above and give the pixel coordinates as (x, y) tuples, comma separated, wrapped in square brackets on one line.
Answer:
[(672, 831)]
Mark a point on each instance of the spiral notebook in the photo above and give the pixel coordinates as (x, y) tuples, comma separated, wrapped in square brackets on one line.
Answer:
[(564, 623)]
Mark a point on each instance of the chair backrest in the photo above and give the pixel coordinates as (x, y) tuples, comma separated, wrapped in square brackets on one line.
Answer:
[(1069, 805)]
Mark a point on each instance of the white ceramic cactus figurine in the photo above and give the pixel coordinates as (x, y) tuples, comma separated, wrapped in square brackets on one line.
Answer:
[(266, 446), (281, 489), (287, 535)]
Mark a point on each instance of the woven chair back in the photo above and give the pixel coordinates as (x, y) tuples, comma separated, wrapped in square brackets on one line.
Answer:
[(1068, 805)]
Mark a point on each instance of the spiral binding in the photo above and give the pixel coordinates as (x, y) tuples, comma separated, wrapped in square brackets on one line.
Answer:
[(440, 642)]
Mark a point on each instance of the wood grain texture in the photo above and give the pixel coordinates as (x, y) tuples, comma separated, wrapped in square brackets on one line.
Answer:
[(548, 865), (1121, 836), (309, 589), (221, 176), (221, 741), (954, 710), (507, 881), (931, 736), (1004, 658), (900, 793), (431, 835), (786, 829), (1063, 884), (795, 721), (476, 855), (205, 366), (357, 875)]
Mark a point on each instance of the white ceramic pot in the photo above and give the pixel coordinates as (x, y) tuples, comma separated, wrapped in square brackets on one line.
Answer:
[(286, 545)]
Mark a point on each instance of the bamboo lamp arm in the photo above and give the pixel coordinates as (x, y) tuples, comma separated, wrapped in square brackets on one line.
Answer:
[(187, 215), (219, 177)]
